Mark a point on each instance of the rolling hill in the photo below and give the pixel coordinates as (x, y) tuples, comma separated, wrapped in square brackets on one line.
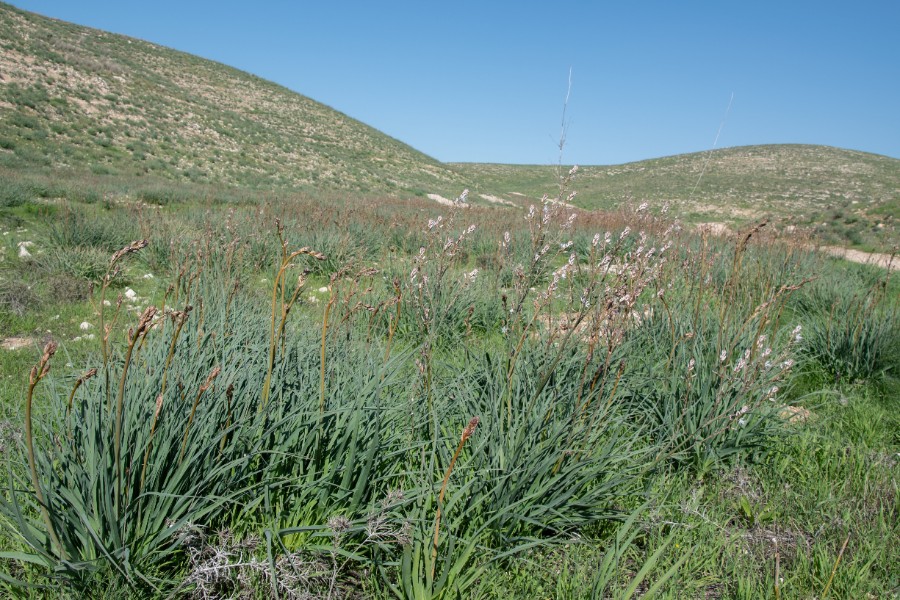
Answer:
[(844, 195), (71, 96), (84, 105)]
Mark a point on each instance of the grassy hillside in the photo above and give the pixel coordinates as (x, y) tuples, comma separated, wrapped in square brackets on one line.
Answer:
[(845, 196), (86, 114), (73, 98)]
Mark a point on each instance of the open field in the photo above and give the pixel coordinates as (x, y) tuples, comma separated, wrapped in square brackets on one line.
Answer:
[(658, 412), (251, 348)]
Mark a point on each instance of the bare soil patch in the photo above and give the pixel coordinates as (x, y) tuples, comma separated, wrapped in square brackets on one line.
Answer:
[(17, 343), (885, 261)]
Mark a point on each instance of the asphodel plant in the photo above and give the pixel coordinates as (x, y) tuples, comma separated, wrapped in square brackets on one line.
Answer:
[(38, 372), (111, 272), (278, 287)]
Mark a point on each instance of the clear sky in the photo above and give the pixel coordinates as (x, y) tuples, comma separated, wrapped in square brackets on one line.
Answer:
[(486, 81)]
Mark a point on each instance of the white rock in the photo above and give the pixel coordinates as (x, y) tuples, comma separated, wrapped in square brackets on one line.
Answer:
[(323, 290), (23, 252), (130, 294), (148, 276), (107, 303), (85, 326)]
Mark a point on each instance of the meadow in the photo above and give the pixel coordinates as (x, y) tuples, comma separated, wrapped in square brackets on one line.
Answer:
[(226, 394)]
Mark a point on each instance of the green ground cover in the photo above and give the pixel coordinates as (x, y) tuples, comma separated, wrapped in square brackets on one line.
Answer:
[(361, 399)]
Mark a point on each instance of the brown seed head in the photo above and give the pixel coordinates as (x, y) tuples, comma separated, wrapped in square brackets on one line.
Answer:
[(311, 252), (44, 364), (130, 248), (49, 350), (212, 375), (87, 375), (470, 429), (146, 319)]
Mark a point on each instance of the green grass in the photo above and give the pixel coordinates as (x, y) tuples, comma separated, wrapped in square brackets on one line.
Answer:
[(614, 457)]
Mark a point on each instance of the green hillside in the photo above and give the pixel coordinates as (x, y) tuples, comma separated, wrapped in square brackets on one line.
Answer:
[(71, 96), (84, 113), (844, 196)]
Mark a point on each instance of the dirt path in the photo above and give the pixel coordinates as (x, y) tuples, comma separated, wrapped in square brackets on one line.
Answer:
[(885, 261), (858, 256)]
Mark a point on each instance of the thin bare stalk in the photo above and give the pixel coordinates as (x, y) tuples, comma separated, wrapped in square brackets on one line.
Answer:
[(331, 301), (78, 382), (112, 271), (37, 373), (181, 317), (278, 286), (143, 326), (392, 325), (835, 568), (187, 429), (466, 434)]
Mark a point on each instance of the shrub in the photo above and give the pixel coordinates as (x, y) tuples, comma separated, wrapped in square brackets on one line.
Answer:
[(75, 228), (14, 194), (854, 329), (18, 296)]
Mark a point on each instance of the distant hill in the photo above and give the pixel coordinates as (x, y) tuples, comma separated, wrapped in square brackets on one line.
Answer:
[(846, 196), (81, 104), (71, 96)]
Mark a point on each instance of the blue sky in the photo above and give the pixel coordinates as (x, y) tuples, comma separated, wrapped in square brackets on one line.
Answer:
[(485, 81)]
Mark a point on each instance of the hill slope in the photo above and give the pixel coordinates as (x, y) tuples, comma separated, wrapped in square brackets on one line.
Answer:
[(847, 196), (78, 103), (73, 96)]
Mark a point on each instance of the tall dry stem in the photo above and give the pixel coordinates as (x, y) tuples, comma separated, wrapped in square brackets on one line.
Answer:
[(144, 323), (277, 331), (187, 429), (37, 373), (466, 434)]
